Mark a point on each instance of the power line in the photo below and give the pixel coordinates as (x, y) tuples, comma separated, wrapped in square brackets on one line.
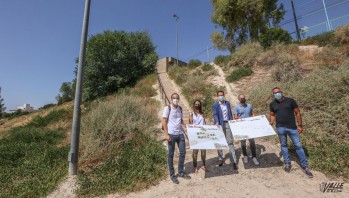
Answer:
[(304, 4), (198, 54), (313, 12)]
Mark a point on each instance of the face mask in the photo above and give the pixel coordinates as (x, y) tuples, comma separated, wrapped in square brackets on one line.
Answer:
[(242, 100), (221, 98), (175, 101), (278, 96), (197, 107)]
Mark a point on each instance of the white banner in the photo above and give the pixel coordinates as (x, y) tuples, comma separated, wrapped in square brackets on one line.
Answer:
[(206, 137), (252, 127)]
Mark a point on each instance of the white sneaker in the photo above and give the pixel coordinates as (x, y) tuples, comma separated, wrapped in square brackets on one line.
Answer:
[(255, 161), (245, 159)]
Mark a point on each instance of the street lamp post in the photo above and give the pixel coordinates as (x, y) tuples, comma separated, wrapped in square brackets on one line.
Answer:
[(176, 17), (74, 146)]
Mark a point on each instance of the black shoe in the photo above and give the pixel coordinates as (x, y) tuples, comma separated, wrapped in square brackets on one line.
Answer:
[(174, 180), (220, 163), (235, 167), (287, 168), (184, 176), (307, 172)]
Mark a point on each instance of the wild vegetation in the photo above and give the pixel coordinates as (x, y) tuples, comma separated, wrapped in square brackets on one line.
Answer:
[(194, 63), (33, 158), (239, 73), (322, 94), (120, 152), (243, 21), (194, 86)]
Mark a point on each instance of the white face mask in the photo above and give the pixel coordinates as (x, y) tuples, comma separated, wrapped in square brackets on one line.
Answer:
[(221, 98), (175, 101)]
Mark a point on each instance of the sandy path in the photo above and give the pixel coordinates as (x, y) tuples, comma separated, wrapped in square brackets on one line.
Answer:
[(266, 180)]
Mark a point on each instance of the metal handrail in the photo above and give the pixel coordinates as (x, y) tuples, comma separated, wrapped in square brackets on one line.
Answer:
[(162, 90)]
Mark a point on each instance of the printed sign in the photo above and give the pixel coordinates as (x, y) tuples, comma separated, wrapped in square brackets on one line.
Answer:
[(206, 137), (252, 127)]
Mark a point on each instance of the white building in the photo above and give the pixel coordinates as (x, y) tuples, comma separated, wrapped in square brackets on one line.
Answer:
[(26, 108)]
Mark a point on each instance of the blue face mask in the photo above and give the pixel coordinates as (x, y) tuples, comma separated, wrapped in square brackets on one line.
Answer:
[(278, 96)]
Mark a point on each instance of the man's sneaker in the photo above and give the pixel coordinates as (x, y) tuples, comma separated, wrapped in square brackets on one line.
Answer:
[(184, 176), (220, 163), (287, 168), (307, 172), (255, 161), (174, 180), (235, 167), (245, 159)]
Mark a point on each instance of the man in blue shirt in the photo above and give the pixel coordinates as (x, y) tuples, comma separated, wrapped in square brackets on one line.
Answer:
[(244, 110), (221, 114)]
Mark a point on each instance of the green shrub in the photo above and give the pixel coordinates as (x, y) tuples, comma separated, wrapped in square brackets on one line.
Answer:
[(120, 152), (178, 74), (31, 164), (194, 63), (275, 35), (207, 67), (222, 60), (326, 38), (287, 68), (239, 73), (246, 55), (16, 114), (52, 117), (46, 106), (139, 163)]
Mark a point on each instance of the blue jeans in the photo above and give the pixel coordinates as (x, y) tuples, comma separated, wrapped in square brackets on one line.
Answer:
[(179, 139), (230, 141), (294, 135)]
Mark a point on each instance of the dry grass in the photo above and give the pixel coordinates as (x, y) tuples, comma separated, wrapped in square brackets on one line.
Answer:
[(330, 57), (246, 55), (115, 136), (341, 35)]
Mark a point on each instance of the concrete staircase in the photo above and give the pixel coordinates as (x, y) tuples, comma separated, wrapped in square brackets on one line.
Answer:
[(167, 89)]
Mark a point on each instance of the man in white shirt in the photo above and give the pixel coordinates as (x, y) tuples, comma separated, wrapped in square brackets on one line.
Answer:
[(172, 120)]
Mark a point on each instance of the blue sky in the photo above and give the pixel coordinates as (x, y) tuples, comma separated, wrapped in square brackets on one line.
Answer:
[(40, 39)]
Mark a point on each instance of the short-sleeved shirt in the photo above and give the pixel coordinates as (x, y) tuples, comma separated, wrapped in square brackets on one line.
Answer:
[(243, 111), (197, 119), (224, 111), (284, 112), (174, 124)]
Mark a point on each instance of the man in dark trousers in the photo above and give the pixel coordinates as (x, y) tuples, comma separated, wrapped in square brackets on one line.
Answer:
[(244, 110), (283, 110), (221, 114), (172, 120)]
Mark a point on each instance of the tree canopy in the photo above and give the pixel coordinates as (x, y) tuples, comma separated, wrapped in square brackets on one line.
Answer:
[(67, 92), (116, 59), (2, 106), (243, 20)]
